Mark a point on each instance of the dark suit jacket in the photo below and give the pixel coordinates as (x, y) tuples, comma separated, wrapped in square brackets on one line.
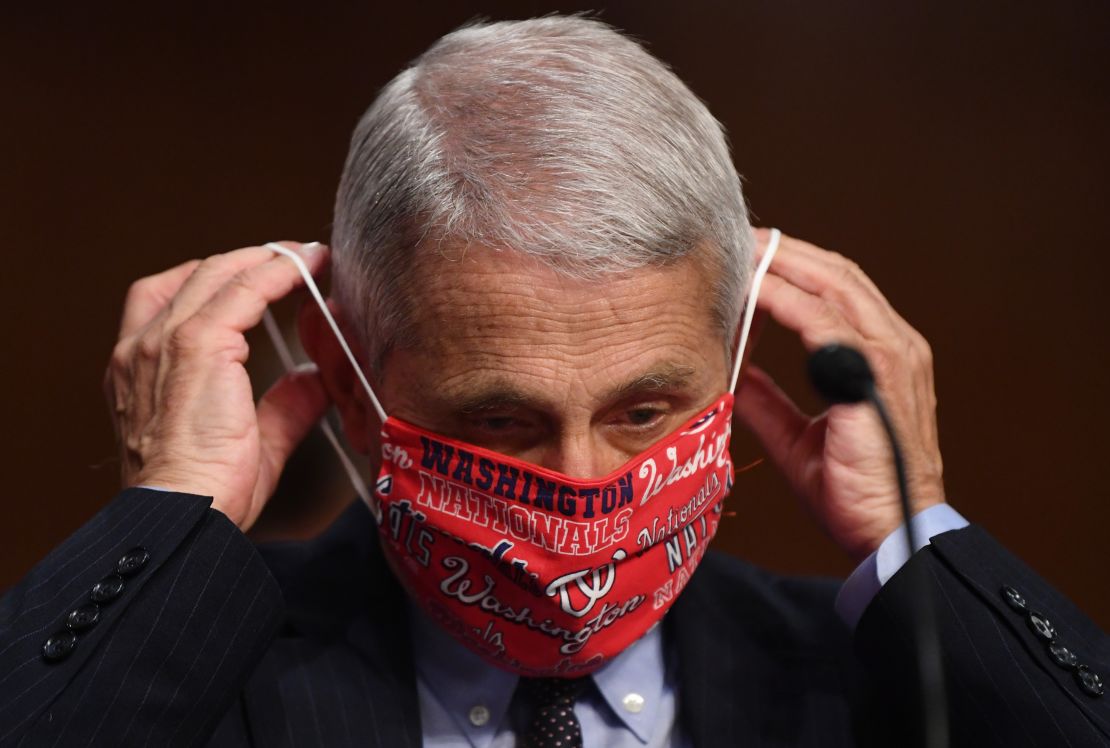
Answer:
[(214, 641)]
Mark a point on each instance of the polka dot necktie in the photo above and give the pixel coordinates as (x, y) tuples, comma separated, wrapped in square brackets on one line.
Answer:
[(552, 722)]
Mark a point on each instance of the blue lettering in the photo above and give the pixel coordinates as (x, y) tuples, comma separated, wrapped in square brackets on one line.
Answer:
[(506, 481), (567, 504), (545, 494), (485, 469), (609, 499), (625, 485), (589, 494), (462, 467), (527, 486), (436, 456)]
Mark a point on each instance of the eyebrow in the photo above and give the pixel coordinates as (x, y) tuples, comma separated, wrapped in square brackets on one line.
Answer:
[(664, 377), (500, 395)]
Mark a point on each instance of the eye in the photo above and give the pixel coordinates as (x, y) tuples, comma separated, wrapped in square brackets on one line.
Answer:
[(508, 433), (497, 423), (643, 416), (500, 425)]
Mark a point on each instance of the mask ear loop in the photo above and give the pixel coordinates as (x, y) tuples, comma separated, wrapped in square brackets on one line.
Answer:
[(749, 309), (287, 361)]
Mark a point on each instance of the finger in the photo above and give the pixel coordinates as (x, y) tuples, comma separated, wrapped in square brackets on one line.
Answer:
[(286, 413), (135, 360), (816, 320), (138, 388), (841, 282), (214, 273), (793, 245), (216, 330), (117, 376), (241, 301), (770, 414), (837, 279), (149, 296), (179, 294)]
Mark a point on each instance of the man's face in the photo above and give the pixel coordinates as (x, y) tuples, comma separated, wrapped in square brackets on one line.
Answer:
[(575, 376)]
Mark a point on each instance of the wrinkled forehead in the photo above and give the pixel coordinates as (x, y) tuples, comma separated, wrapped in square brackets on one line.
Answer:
[(503, 314), (506, 297)]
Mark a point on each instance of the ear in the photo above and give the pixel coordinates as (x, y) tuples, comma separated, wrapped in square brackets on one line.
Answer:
[(360, 421)]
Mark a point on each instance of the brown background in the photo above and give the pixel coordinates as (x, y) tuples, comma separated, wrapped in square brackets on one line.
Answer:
[(957, 150)]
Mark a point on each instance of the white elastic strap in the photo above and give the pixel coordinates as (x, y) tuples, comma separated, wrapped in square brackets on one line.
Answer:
[(287, 361), (749, 311), (315, 291)]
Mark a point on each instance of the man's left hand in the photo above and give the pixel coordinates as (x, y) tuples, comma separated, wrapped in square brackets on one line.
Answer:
[(840, 462)]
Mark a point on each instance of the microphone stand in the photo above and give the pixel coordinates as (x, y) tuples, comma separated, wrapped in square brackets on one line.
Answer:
[(842, 376), (930, 668)]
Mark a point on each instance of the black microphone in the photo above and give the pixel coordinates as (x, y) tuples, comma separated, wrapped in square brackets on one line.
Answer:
[(841, 375)]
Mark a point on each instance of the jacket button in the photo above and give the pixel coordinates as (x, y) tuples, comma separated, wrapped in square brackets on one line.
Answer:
[(1041, 626), (132, 562), (1062, 656), (1090, 682), (58, 646), (83, 618), (1013, 598), (107, 589)]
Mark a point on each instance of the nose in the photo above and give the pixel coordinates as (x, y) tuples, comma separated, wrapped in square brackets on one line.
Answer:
[(583, 455)]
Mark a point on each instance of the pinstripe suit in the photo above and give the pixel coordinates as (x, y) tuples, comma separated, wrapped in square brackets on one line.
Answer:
[(216, 642)]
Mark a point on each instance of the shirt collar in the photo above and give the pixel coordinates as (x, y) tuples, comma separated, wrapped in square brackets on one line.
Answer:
[(632, 683), (461, 680)]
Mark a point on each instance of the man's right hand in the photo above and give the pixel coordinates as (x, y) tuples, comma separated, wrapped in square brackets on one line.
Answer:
[(178, 387)]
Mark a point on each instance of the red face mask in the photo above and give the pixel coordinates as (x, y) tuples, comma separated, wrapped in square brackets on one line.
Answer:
[(538, 572), (541, 573)]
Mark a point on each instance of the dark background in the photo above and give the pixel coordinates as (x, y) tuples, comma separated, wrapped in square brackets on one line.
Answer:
[(958, 151)]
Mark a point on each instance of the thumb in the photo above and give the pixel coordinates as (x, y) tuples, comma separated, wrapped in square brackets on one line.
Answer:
[(286, 413)]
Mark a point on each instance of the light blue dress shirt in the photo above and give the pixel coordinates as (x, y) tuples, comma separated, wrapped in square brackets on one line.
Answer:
[(465, 702), (861, 586)]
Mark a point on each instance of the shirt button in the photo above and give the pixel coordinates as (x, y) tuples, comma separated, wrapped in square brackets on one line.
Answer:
[(479, 715), (59, 646), (633, 703), (132, 562)]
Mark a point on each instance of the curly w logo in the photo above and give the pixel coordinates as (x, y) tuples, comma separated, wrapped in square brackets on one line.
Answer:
[(592, 585)]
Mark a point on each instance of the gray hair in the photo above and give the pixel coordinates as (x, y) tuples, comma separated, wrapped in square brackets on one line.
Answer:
[(558, 137)]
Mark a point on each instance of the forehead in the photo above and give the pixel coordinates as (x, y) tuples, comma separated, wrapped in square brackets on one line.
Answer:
[(503, 313)]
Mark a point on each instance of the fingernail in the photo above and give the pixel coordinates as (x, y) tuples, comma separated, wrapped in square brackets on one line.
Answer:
[(307, 367), (311, 249)]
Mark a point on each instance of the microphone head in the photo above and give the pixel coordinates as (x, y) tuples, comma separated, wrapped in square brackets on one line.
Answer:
[(840, 374)]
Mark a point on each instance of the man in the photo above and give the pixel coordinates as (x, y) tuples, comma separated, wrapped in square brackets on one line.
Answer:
[(542, 253)]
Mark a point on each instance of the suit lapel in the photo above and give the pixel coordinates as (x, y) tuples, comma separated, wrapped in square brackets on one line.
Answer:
[(341, 671), (711, 694), (384, 642), (753, 667)]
